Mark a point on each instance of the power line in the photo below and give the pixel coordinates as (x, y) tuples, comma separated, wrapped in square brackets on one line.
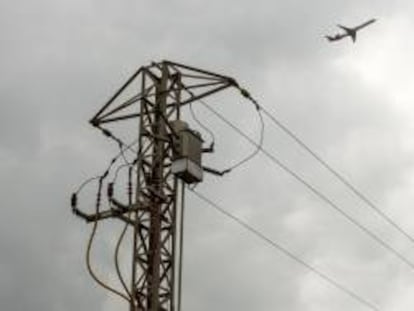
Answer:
[(203, 126), (124, 230), (285, 251), (89, 248), (123, 147), (340, 177), (314, 190), (249, 156), (258, 145)]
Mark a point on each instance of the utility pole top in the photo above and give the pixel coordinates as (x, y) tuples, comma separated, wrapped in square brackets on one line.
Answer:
[(168, 151), (193, 83)]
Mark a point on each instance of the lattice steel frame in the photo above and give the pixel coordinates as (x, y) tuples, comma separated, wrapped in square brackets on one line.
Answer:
[(164, 88)]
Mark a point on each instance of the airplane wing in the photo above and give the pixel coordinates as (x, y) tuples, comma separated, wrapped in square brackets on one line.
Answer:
[(365, 24), (349, 32), (347, 29)]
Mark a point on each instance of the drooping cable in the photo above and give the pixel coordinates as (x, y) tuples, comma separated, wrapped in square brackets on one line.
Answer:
[(89, 247), (257, 147), (315, 191), (122, 235), (204, 127), (130, 166), (119, 141), (338, 175), (286, 251), (123, 147), (121, 153), (101, 178), (85, 183)]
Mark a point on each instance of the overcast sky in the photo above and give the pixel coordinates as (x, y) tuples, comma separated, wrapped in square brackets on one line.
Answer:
[(352, 103)]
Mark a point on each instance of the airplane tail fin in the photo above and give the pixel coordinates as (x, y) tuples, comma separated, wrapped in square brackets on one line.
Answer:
[(353, 36)]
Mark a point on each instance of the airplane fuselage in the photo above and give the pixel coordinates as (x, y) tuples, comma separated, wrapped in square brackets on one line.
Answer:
[(349, 32)]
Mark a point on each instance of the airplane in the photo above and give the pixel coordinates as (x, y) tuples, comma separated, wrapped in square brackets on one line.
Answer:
[(349, 32)]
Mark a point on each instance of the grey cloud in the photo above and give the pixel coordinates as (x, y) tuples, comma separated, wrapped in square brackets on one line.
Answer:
[(62, 60)]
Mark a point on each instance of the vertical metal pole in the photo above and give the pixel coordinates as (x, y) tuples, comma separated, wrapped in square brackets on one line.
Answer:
[(153, 262), (180, 260), (157, 180), (173, 251), (133, 306), (174, 296)]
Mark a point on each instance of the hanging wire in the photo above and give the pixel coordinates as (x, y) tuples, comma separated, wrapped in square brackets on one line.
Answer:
[(258, 146), (86, 182), (204, 127), (122, 152), (130, 166), (122, 235), (123, 147), (89, 247), (119, 141), (111, 163), (118, 170)]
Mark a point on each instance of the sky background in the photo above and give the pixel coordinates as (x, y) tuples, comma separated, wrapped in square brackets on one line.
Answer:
[(352, 103)]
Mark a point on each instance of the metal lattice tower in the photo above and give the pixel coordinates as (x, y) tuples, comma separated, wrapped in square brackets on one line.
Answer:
[(155, 95)]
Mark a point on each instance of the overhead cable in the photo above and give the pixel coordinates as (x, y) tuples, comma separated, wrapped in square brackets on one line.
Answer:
[(258, 145), (285, 251), (333, 171), (338, 175), (203, 126), (314, 190)]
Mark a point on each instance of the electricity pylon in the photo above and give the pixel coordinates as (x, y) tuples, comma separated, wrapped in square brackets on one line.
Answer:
[(155, 95)]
